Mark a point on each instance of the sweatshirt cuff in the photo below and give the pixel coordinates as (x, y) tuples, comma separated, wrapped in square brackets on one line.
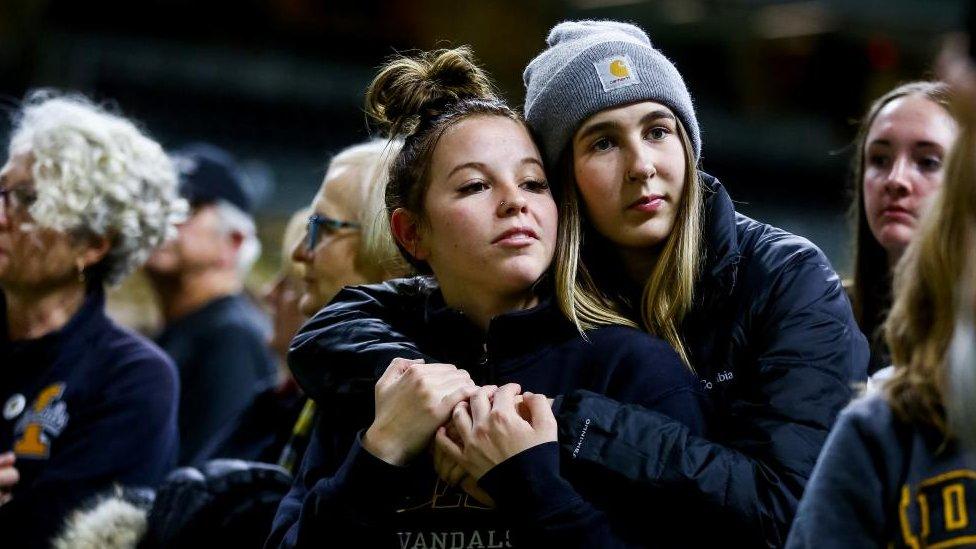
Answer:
[(586, 421), (557, 404), (528, 485), (367, 479)]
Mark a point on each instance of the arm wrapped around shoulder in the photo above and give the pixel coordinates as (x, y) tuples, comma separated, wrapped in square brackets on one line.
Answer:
[(348, 345)]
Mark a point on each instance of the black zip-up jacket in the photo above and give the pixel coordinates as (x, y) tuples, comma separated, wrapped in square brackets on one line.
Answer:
[(771, 333), (347, 497)]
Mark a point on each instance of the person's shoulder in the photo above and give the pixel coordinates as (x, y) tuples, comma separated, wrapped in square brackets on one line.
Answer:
[(398, 296), (236, 312), (770, 249), (419, 285), (625, 338), (787, 271), (406, 289), (624, 344), (231, 324), (128, 347), (870, 416), (130, 360)]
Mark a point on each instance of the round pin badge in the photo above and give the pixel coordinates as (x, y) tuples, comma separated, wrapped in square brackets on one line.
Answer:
[(14, 406)]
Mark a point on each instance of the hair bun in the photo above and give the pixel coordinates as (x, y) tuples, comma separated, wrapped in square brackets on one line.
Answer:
[(408, 90)]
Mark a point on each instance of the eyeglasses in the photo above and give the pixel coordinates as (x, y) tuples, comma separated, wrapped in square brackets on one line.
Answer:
[(17, 199), (318, 223)]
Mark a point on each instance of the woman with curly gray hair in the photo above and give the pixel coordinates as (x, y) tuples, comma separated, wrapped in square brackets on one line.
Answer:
[(84, 198)]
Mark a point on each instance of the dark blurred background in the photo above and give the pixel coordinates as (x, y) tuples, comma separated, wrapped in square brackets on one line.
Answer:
[(777, 84)]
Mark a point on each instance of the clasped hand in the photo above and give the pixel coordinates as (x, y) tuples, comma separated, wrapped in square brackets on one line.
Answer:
[(489, 428), (469, 429)]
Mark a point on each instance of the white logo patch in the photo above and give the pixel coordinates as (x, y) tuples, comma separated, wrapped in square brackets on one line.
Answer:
[(616, 72), (14, 406)]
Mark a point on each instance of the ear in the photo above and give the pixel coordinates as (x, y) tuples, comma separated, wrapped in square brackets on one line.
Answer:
[(95, 248), (236, 239), (406, 229), (228, 254)]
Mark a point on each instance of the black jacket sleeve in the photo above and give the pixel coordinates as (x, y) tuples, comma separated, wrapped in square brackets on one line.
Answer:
[(357, 335)]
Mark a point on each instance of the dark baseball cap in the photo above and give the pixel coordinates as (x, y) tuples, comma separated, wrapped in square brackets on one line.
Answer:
[(208, 174)]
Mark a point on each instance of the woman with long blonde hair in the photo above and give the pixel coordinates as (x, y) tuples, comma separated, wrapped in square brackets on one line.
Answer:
[(649, 240), (892, 472)]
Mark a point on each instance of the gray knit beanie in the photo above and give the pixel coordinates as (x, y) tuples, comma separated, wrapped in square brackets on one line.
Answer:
[(590, 66)]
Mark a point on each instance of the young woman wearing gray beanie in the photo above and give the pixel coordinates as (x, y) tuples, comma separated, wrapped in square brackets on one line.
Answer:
[(757, 313)]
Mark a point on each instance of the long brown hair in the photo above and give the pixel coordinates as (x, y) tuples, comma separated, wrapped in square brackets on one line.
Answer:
[(926, 282), (870, 289)]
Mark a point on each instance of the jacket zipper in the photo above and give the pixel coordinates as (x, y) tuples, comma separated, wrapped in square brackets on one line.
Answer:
[(486, 365)]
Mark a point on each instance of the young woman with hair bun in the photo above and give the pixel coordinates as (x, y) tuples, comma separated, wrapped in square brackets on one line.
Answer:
[(470, 207), (650, 240)]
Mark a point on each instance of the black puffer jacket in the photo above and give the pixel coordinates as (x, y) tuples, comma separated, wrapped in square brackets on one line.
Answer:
[(772, 335)]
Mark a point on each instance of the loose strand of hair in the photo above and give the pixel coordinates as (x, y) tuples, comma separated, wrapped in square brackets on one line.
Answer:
[(922, 319)]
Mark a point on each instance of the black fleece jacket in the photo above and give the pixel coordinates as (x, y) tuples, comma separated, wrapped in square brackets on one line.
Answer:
[(771, 332), (350, 497)]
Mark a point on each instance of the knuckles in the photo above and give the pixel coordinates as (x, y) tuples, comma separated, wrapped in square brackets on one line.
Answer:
[(482, 432), (413, 371), (498, 417)]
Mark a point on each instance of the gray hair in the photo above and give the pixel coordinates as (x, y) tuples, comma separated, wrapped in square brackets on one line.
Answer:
[(232, 219), (97, 174)]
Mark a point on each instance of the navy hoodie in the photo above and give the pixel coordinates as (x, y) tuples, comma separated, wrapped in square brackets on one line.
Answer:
[(346, 496), (85, 407)]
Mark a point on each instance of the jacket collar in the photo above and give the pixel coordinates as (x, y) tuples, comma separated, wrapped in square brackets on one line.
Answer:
[(721, 239), (511, 335)]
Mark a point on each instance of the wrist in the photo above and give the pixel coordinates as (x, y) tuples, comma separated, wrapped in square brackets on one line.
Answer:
[(376, 442)]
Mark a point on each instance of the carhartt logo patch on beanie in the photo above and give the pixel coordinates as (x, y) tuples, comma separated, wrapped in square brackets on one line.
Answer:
[(590, 66), (614, 72)]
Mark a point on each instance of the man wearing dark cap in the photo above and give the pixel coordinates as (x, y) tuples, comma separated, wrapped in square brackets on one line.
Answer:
[(213, 332)]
